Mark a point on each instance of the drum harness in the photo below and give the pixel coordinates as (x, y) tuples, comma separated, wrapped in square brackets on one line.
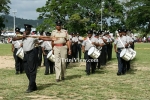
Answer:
[(49, 45), (18, 43), (94, 45), (90, 41)]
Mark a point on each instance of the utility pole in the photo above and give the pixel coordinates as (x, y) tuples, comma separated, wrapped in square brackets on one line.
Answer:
[(14, 11), (102, 15)]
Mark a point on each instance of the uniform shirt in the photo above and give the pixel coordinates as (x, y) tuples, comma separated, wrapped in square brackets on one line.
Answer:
[(87, 44), (93, 35), (106, 38), (129, 38), (62, 35), (29, 43), (100, 41), (75, 39), (70, 37), (80, 39), (17, 43), (47, 45), (40, 41), (112, 38), (124, 41)]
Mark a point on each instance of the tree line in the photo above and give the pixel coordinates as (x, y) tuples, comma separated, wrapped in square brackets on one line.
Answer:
[(81, 15)]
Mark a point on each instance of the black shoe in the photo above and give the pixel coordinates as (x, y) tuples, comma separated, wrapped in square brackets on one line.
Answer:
[(21, 72), (123, 73), (46, 74), (118, 74), (88, 74), (17, 72), (63, 78), (57, 80), (93, 72), (29, 90)]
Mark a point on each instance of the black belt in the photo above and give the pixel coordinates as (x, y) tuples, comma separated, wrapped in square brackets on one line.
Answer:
[(26, 52), (120, 48), (47, 50), (17, 48)]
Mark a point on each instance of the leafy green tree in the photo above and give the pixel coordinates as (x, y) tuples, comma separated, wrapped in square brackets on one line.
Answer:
[(81, 15), (4, 9), (138, 15)]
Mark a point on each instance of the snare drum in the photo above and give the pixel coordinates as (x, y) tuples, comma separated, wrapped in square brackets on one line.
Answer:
[(133, 53), (20, 53), (125, 54), (94, 52), (51, 57)]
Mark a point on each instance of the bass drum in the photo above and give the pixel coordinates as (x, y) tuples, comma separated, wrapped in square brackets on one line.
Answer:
[(50, 56), (20, 53), (94, 52), (125, 54), (133, 53)]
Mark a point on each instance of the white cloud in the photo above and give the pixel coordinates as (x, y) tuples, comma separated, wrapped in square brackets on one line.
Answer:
[(26, 9)]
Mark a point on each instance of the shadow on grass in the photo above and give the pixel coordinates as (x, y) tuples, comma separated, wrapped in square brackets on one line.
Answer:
[(72, 77), (113, 59), (43, 86), (132, 71), (101, 71), (71, 65)]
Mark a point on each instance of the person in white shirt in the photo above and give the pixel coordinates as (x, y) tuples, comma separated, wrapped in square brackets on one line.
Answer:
[(130, 42), (16, 45), (79, 46), (86, 45), (119, 44), (74, 47), (99, 47), (46, 48)]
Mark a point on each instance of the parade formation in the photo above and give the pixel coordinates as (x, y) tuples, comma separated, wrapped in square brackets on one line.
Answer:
[(60, 48)]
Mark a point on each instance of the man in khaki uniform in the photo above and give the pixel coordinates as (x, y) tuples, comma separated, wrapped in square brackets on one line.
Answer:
[(60, 50)]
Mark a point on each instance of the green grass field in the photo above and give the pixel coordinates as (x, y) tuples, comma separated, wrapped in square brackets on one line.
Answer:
[(102, 85)]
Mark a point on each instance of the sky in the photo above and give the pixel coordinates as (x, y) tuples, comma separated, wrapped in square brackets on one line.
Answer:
[(26, 9)]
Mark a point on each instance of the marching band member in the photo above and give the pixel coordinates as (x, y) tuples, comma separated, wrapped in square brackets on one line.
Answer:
[(87, 43), (40, 49), (36, 47), (133, 38), (74, 42), (119, 44), (69, 57), (104, 49), (130, 40), (99, 47), (46, 47), (106, 37), (29, 61), (15, 47), (109, 45), (79, 46)]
